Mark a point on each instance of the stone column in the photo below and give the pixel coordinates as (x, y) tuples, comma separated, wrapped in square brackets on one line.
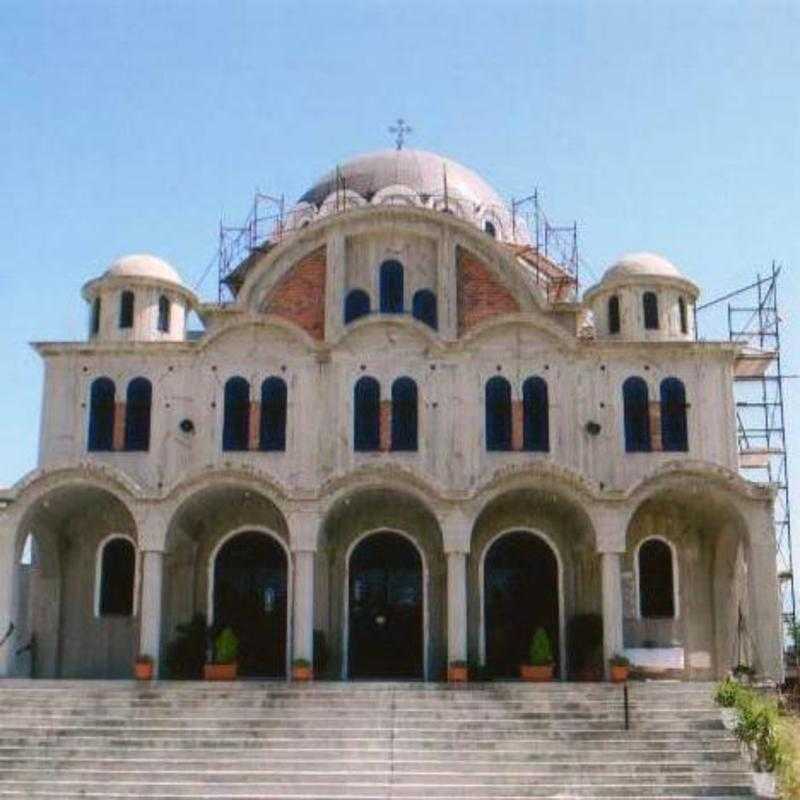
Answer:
[(8, 580), (303, 530), (456, 606), (456, 535), (612, 607), (152, 577)]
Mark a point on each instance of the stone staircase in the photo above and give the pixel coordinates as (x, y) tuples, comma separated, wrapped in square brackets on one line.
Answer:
[(270, 741)]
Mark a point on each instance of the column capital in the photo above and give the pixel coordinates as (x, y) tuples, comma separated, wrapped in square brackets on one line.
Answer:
[(151, 522), (304, 528), (456, 527), (610, 527)]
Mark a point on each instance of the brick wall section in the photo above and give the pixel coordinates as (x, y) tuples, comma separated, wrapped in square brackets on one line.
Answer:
[(655, 426), (480, 294), (517, 425), (300, 295), (254, 432), (119, 426), (386, 426)]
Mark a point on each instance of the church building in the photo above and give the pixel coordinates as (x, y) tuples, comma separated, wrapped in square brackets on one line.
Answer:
[(406, 442)]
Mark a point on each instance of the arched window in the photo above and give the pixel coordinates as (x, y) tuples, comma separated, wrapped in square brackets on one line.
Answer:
[(683, 316), (116, 563), (126, 310), (498, 414), (273, 414), (391, 276), (536, 423), (637, 416), (674, 431), (236, 425), (613, 314), (404, 414), (94, 326), (164, 313), (489, 227), (356, 305), (650, 308), (424, 308), (366, 414), (101, 415), (139, 401), (656, 573)]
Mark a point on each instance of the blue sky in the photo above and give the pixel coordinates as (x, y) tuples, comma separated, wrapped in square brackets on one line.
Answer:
[(133, 126)]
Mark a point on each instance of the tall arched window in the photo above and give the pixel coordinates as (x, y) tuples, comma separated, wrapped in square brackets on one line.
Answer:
[(535, 415), (138, 406), (94, 326), (404, 414), (117, 573), (366, 414), (613, 314), (650, 308), (273, 414), (498, 414), (126, 310), (424, 308), (101, 415), (674, 431), (684, 320), (164, 313), (656, 573), (637, 415), (356, 305), (391, 280), (236, 425)]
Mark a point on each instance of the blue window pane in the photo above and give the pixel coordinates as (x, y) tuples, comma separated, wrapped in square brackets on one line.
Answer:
[(424, 308), (498, 414), (236, 426)]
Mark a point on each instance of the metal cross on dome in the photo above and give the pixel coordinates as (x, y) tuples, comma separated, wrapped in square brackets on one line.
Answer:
[(400, 129)]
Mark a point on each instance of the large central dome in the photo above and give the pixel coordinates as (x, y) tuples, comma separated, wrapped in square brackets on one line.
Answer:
[(412, 177), (420, 170)]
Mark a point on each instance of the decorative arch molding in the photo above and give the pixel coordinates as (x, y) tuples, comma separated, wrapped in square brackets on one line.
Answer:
[(676, 579), (98, 571), (244, 321), (381, 323), (562, 614), (248, 479), (212, 560), (346, 591), (268, 268), (523, 319)]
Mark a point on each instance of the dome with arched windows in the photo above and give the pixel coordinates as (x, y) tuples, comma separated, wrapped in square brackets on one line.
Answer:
[(634, 266), (143, 265), (416, 177)]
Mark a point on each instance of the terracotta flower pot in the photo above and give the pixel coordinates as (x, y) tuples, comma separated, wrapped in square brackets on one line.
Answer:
[(619, 674), (220, 672), (302, 673), (143, 670), (457, 674), (536, 674)]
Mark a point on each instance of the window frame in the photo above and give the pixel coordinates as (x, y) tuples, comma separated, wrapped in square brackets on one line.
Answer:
[(225, 421), (614, 316), (139, 380), (650, 311), (426, 314), (412, 445), (164, 314), (91, 433), (673, 551), (531, 422), (641, 382), (98, 576), (127, 309), (361, 294), (391, 287), (360, 445), (276, 444), (504, 446)]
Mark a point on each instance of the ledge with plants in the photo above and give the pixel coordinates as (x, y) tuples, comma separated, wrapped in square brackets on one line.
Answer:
[(619, 668), (302, 670), (224, 666), (766, 737), (541, 663), (457, 672), (143, 667)]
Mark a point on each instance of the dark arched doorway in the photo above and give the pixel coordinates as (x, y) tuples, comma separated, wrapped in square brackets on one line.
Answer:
[(520, 584), (385, 608), (250, 596)]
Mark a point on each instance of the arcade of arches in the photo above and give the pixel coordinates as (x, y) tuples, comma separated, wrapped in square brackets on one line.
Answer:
[(382, 583)]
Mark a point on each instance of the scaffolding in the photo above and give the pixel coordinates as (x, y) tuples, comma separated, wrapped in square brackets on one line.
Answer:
[(754, 322), (551, 258)]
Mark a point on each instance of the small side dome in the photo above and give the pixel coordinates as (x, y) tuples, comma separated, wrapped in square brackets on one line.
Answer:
[(143, 266), (641, 265)]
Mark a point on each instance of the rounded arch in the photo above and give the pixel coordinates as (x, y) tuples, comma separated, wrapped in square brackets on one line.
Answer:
[(675, 577), (274, 538), (391, 281), (356, 305), (99, 572), (561, 612), (425, 632)]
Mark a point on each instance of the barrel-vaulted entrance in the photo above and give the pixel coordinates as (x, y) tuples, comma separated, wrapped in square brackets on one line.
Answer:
[(385, 607)]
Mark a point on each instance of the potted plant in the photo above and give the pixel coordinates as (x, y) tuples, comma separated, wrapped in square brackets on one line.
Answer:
[(301, 670), (540, 666), (457, 672), (727, 696), (224, 665), (143, 667), (619, 668)]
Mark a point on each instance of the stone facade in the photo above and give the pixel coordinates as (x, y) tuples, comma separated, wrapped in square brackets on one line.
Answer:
[(588, 496)]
